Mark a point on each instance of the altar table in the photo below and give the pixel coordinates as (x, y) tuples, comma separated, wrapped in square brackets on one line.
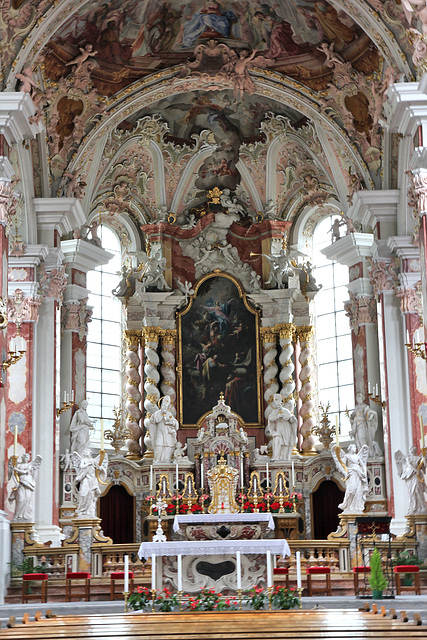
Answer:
[(213, 547), (212, 518)]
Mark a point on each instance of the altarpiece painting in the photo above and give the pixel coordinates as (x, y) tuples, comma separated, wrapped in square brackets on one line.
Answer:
[(219, 351)]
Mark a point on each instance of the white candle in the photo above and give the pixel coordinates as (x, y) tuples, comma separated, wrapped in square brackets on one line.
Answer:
[(72, 395), (242, 476), (422, 431), (266, 475), (337, 430), (293, 474), (201, 475), (269, 570), (238, 570), (65, 396), (15, 439), (176, 476), (407, 337), (126, 558), (102, 435), (369, 387), (153, 572), (298, 557), (151, 478), (376, 391), (179, 572)]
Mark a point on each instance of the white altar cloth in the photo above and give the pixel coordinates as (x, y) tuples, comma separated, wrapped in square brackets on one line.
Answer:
[(208, 518), (213, 547)]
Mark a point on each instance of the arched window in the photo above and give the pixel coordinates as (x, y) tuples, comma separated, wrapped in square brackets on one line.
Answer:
[(103, 363), (334, 349)]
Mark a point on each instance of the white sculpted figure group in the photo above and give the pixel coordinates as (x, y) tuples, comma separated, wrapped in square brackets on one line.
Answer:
[(364, 423), (25, 474), (163, 429), (91, 473), (79, 429), (282, 429), (411, 469), (353, 467)]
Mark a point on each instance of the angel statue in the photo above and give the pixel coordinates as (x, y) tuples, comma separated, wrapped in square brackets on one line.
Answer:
[(353, 467), (411, 469), (163, 427), (25, 474), (91, 473)]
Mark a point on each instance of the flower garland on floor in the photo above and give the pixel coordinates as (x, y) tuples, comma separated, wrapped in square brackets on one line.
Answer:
[(209, 600)]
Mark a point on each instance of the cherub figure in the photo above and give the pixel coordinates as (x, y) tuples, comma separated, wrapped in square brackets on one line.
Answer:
[(27, 83), (335, 229), (85, 53), (332, 58), (179, 454)]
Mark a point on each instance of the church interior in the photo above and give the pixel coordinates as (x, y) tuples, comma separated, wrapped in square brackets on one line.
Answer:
[(211, 326)]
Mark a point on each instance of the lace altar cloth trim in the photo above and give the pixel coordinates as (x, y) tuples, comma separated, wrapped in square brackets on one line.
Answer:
[(209, 518), (224, 547)]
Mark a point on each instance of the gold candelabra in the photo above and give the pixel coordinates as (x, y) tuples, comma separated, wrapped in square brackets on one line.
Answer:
[(14, 357), (417, 348), (375, 396), (66, 406), (120, 433), (325, 429)]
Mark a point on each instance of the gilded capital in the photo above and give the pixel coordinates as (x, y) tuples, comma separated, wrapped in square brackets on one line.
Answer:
[(304, 333), (268, 334), (286, 330), (168, 336), (133, 336), (151, 334)]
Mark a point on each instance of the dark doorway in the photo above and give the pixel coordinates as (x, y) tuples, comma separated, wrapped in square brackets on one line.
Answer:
[(325, 509), (116, 511)]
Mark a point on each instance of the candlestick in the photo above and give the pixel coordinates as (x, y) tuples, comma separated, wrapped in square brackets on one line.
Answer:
[(179, 572), (298, 559), (407, 337), (15, 439), (65, 396), (102, 435), (126, 559), (153, 572), (369, 387), (238, 570), (376, 391), (151, 478), (201, 475), (242, 479), (337, 431), (293, 474), (266, 475), (269, 570), (422, 430), (176, 476)]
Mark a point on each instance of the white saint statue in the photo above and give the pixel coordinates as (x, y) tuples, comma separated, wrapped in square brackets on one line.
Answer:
[(364, 423), (163, 427), (79, 429), (282, 429), (353, 467), (90, 482), (411, 469), (25, 474)]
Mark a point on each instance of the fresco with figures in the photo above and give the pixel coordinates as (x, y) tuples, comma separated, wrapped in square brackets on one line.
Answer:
[(219, 352)]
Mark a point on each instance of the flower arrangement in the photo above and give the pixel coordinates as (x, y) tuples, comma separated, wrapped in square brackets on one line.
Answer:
[(283, 598), (139, 598), (166, 600), (256, 598), (209, 600)]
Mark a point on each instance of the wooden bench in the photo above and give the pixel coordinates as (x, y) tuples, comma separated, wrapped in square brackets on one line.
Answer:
[(27, 578), (69, 579), (119, 575), (407, 568), (314, 571)]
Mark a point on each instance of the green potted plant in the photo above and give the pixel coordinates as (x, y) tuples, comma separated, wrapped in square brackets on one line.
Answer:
[(406, 558), (285, 598), (377, 580)]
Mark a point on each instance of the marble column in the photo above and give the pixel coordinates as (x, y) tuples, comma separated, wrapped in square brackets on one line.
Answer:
[(287, 368), (133, 393), (307, 390), (269, 340), (151, 374), (168, 365)]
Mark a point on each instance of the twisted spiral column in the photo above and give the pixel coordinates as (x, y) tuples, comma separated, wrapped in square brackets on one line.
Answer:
[(286, 335), (270, 367), (307, 390), (133, 395), (151, 375), (167, 366)]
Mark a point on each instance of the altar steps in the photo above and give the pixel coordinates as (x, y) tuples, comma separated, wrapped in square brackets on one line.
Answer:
[(258, 625)]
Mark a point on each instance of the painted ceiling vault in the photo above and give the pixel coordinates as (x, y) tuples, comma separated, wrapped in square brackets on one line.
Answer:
[(148, 105)]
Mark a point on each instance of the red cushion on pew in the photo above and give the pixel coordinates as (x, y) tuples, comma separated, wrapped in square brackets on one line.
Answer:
[(313, 570), (361, 569), (77, 574), (35, 576), (120, 575), (281, 570)]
